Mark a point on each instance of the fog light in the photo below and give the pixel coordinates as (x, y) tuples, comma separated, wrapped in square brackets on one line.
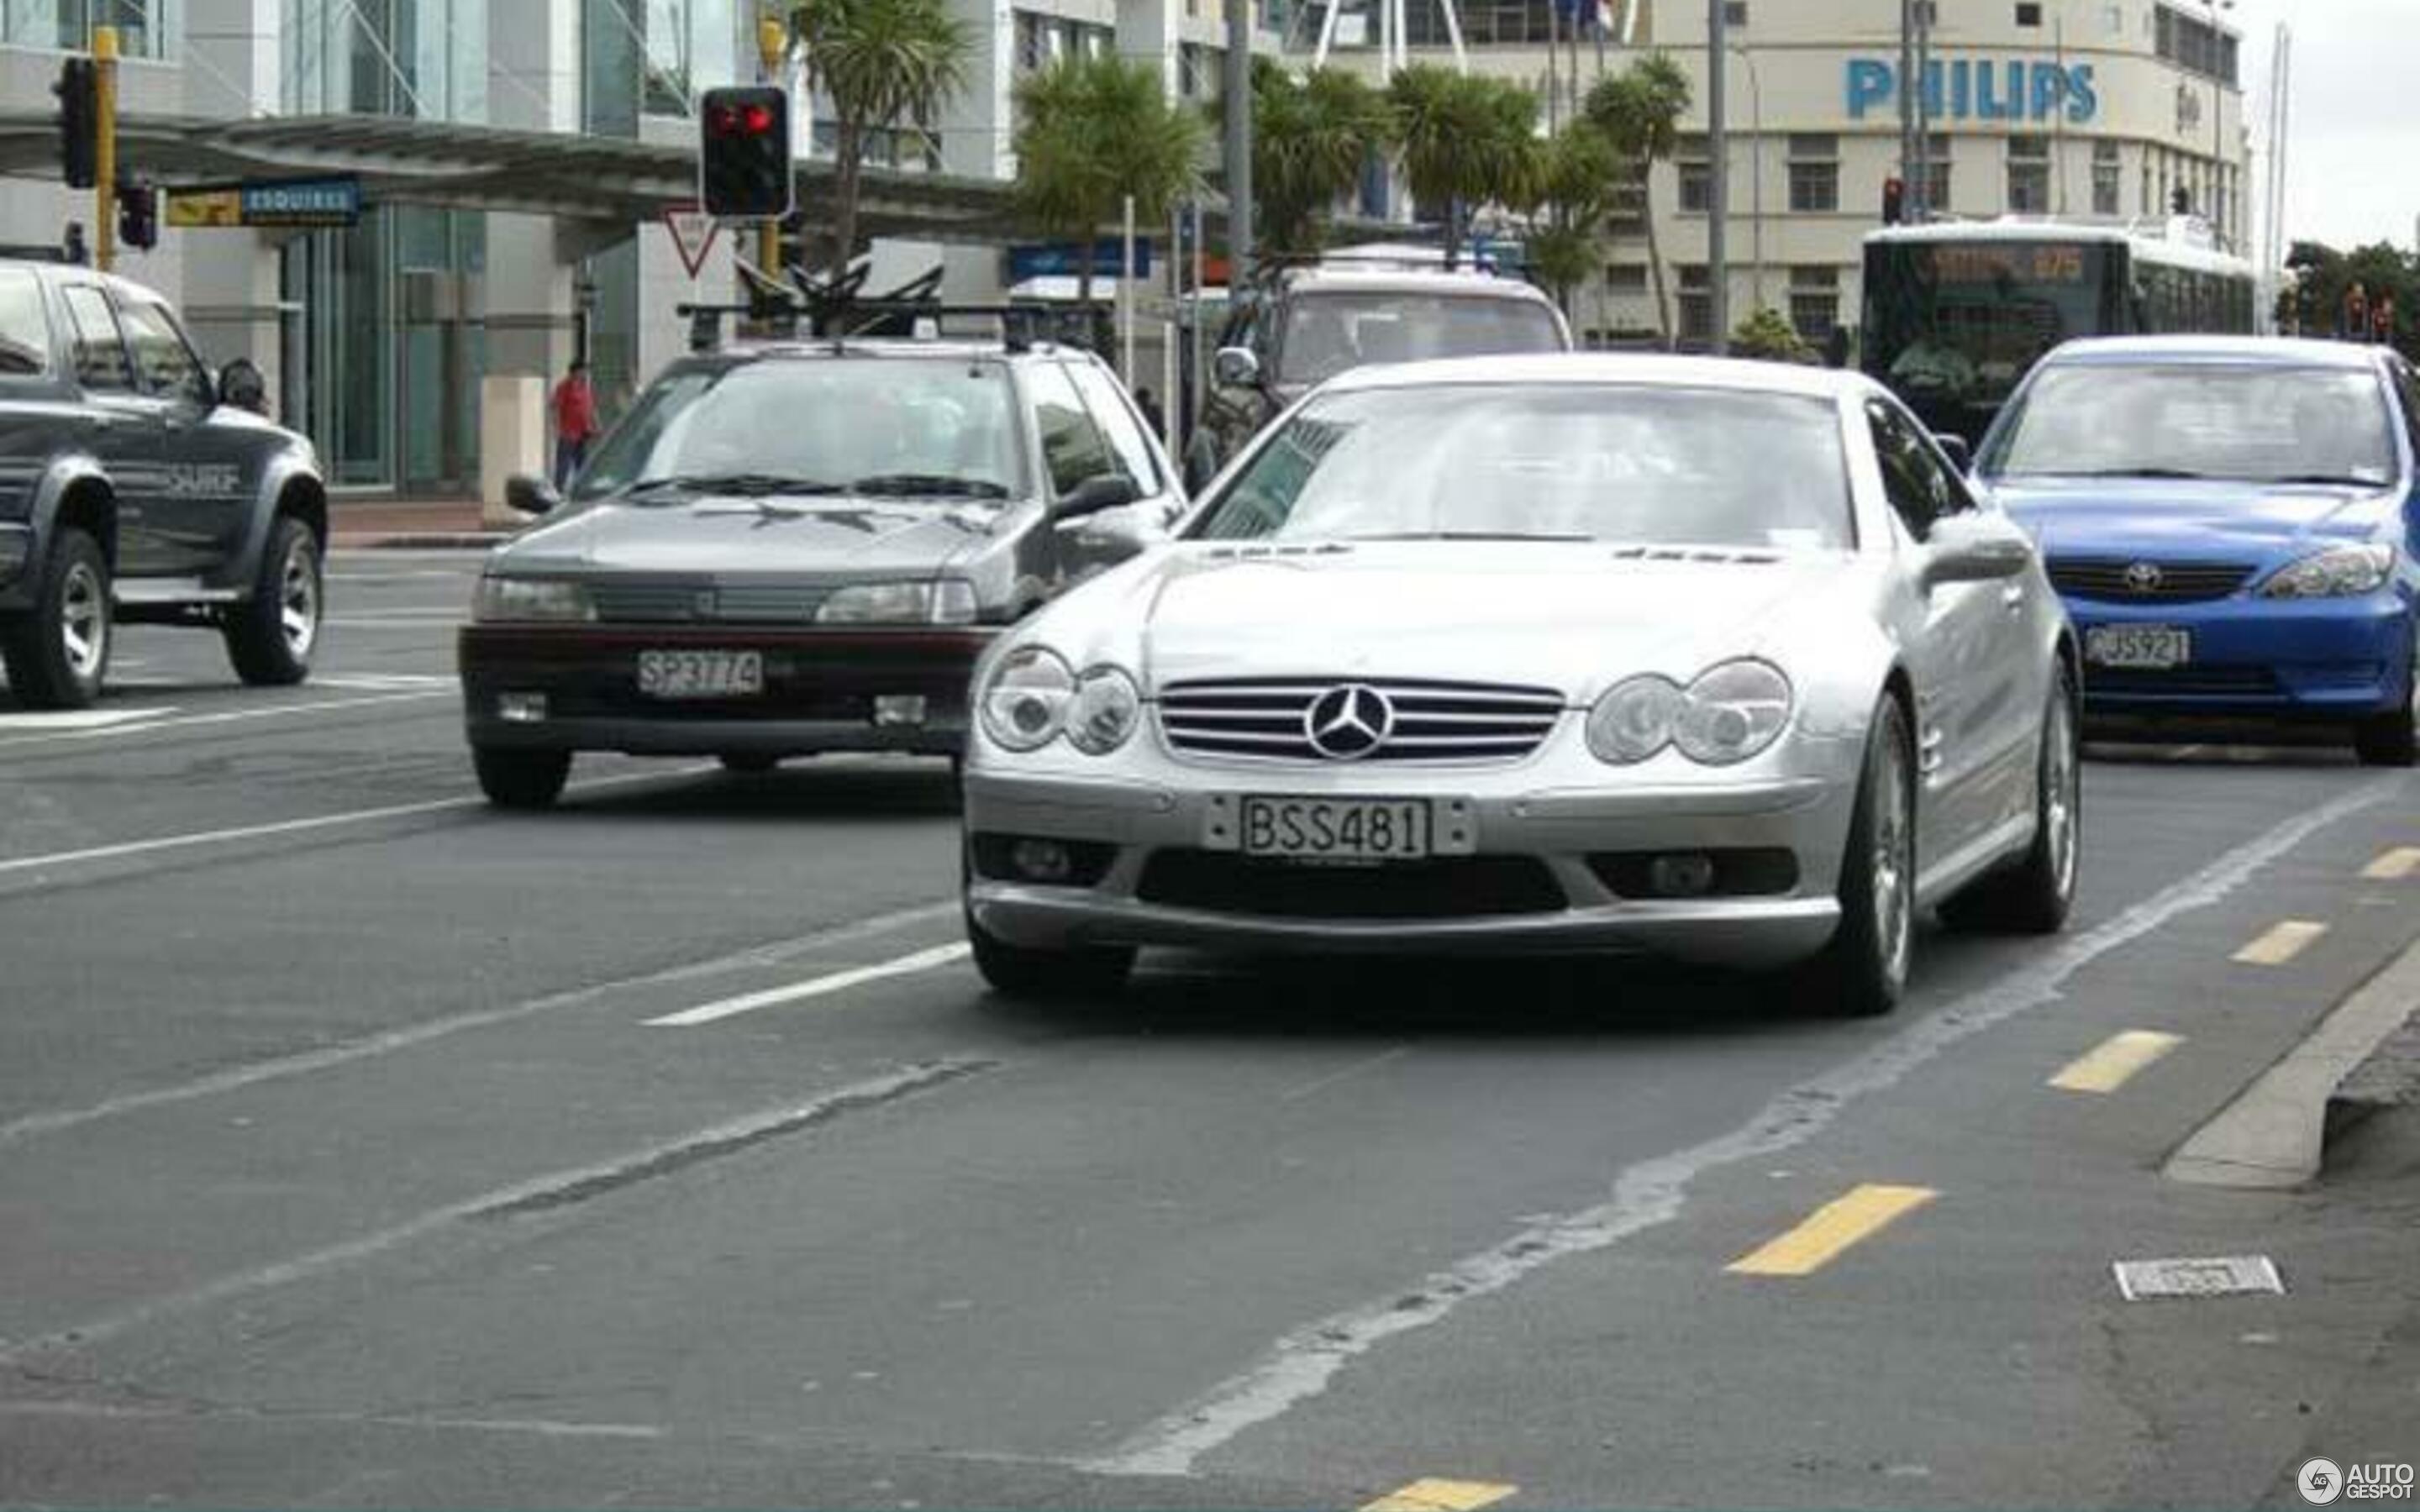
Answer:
[(522, 708), (1041, 860), (1685, 875), (895, 709)]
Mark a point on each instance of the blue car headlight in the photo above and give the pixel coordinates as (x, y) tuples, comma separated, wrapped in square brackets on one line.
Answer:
[(2338, 572)]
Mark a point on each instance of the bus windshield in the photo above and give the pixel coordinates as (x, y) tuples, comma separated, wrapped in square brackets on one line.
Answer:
[(1951, 326)]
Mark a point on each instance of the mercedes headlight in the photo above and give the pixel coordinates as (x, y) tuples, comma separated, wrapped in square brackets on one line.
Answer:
[(1729, 713), (1027, 699), (1107, 707), (951, 601), (528, 600), (2338, 572)]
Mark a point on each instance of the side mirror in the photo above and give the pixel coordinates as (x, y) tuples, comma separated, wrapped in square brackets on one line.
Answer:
[(1955, 448), (1973, 548), (1236, 368), (241, 385), (529, 494), (1109, 490)]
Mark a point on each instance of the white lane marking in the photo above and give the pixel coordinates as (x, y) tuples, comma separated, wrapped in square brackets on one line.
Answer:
[(77, 720), (379, 623), (295, 826), (387, 682), (757, 958), (189, 721), (503, 1200), (839, 981), (542, 1427), (1322, 1084), (1300, 1366)]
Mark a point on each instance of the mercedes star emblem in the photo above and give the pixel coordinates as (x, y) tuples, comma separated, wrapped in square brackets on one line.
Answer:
[(2145, 577), (1347, 723)]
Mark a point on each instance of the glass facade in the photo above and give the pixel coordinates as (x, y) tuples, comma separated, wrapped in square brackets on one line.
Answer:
[(145, 28), (383, 368)]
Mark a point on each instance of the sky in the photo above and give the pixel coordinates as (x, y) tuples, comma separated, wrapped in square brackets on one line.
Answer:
[(2353, 158)]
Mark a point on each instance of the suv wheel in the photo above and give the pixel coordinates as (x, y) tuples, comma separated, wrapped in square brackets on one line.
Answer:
[(520, 778), (271, 637), (59, 650)]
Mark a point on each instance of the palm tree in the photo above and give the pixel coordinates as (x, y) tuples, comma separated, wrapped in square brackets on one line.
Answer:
[(1639, 112), (1464, 138), (1091, 132), (1310, 140), (1576, 173), (878, 63)]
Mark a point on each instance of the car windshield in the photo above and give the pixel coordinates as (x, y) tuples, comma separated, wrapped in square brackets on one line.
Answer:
[(901, 427), (2251, 422), (1327, 333), (1564, 461)]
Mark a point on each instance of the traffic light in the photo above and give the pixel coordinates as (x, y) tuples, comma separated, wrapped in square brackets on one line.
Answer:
[(79, 92), (1894, 201), (138, 215), (744, 153)]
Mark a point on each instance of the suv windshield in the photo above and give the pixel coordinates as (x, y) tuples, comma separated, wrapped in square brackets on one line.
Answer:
[(2258, 423), (1591, 462), (1327, 333), (903, 427)]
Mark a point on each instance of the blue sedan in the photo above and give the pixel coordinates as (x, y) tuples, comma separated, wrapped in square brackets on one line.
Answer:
[(2232, 522)]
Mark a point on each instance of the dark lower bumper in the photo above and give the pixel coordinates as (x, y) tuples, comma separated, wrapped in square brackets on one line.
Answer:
[(821, 689)]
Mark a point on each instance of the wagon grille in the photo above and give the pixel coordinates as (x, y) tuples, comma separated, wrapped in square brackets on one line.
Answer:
[(1433, 721), (2136, 581)]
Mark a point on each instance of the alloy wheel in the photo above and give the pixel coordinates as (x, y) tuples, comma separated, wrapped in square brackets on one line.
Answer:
[(298, 599), (84, 622)]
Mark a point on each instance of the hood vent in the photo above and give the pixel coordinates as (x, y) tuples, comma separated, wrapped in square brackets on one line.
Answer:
[(1695, 553)]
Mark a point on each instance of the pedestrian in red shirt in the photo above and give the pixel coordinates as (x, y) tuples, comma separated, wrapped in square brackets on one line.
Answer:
[(574, 422)]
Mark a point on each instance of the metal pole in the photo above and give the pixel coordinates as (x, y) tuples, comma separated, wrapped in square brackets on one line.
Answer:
[(1907, 94), (1756, 128), (1239, 141), (1921, 190), (772, 45), (1719, 271), (104, 157), (1201, 376), (1125, 298), (2217, 133)]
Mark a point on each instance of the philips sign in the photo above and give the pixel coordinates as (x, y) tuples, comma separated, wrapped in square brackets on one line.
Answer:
[(1986, 89)]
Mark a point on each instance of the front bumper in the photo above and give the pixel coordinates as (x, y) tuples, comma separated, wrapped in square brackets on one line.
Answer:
[(2286, 660), (1538, 880), (820, 689)]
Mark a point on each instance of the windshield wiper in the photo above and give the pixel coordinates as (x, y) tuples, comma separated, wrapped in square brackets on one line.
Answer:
[(2128, 473), (927, 484), (2341, 480), (736, 483), (1469, 535)]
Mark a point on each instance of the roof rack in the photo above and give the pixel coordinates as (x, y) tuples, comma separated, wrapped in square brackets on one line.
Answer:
[(833, 310)]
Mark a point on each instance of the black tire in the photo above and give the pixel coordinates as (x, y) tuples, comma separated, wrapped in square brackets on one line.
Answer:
[(272, 635), (1863, 971), (748, 764), (520, 778), (2034, 896), (2393, 739), (1047, 976), (58, 650)]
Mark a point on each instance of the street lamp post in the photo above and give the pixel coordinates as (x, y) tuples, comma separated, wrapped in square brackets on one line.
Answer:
[(2217, 122), (1756, 131), (1718, 273)]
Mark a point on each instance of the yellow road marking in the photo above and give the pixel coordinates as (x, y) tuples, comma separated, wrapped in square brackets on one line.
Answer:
[(1830, 1228), (2281, 944), (2394, 865), (2113, 1063), (1441, 1496)]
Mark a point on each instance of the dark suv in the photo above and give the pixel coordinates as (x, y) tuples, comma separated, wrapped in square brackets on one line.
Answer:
[(797, 546), (137, 487), (1307, 323)]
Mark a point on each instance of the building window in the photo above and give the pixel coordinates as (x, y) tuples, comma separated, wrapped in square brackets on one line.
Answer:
[(1694, 157), (1814, 173), (1928, 14), (1815, 301), (2029, 13), (66, 25), (1734, 12), (2197, 46), (2029, 176), (1697, 303), (2106, 179), (1625, 279)]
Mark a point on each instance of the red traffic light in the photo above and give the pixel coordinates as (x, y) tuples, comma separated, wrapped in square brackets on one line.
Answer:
[(757, 119), (740, 120), (1894, 201)]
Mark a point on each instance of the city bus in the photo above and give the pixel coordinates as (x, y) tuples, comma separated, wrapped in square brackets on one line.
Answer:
[(1956, 312)]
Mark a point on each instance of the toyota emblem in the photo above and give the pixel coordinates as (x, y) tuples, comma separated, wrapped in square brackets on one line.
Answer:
[(2145, 578), (1347, 723)]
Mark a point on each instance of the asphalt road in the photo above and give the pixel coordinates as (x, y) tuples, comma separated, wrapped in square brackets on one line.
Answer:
[(348, 1158)]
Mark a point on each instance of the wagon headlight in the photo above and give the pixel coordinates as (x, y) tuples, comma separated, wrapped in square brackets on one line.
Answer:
[(1027, 699), (2338, 572), (951, 601), (1728, 714), (1106, 710), (527, 600)]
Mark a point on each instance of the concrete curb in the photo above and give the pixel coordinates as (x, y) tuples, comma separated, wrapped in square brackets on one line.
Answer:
[(2276, 1133), (427, 541)]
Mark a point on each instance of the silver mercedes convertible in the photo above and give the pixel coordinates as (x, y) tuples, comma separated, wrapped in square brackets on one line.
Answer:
[(1714, 660)]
